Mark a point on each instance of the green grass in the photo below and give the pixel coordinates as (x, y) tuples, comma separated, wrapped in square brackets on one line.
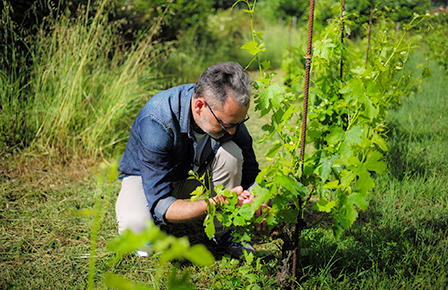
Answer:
[(80, 89)]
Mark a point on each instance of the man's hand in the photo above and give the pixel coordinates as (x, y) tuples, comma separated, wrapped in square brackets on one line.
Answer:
[(259, 212), (244, 197)]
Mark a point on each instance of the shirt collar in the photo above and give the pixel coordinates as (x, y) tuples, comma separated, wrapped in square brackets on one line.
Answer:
[(185, 111)]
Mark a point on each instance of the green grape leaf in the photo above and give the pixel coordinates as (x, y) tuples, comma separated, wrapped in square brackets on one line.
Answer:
[(246, 211), (199, 255), (347, 177), (352, 136), (197, 193), (290, 184), (359, 199), (346, 89), (378, 140), (357, 87), (239, 221), (209, 228), (332, 184), (372, 89), (373, 162), (288, 113), (349, 215), (262, 194), (253, 47), (324, 205), (365, 181), (266, 65), (336, 135), (274, 93), (326, 165), (359, 70), (370, 109), (274, 149), (324, 49), (115, 281)]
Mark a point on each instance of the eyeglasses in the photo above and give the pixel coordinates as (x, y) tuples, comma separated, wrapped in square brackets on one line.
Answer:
[(231, 126)]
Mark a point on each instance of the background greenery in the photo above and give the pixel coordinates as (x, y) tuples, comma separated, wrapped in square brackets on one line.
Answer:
[(73, 75)]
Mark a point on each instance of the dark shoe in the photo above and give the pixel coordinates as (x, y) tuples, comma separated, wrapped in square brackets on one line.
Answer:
[(231, 246)]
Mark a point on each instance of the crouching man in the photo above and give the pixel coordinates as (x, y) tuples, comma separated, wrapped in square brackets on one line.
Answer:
[(197, 127)]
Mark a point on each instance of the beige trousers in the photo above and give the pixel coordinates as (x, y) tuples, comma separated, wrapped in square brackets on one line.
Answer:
[(132, 208)]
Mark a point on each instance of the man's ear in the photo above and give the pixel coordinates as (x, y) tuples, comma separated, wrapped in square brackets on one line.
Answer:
[(199, 105)]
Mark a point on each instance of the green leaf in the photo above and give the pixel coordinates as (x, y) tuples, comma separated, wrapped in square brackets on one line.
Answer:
[(373, 162), (253, 47), (288, 113), (353, 135), (326, 165), (365, 181), (359, 70), (359, 199), (274, 93), (246, 211), (197, 193), (261, 195), (199, 255), (118, 282), (378, 140), (274, 149), (346, 89), (209, 228), (324, 205), (350, 214), (332, 184), (128, 241), (290, 184), (357, 87), (336, 135), (347, 177), (239, 221), (266, 65), (372, 89)]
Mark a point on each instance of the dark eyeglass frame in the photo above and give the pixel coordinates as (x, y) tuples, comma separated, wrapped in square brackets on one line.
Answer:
[(225, 128)]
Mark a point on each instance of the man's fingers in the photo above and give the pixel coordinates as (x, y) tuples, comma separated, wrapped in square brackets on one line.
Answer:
[(238, 189), (259, 212)]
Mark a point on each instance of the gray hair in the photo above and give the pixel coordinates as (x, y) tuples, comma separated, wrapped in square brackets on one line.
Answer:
[(221, 79)]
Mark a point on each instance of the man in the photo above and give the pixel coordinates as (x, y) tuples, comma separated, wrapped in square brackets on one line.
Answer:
[(190, 127)]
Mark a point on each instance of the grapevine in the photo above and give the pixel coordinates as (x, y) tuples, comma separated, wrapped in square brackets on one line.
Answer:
[(346, 134)]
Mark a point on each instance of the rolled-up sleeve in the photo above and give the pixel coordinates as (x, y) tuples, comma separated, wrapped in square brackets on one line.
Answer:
[(155, 145)]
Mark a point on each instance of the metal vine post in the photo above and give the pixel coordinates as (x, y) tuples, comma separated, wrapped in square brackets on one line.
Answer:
[(341, 65), (308, 57)]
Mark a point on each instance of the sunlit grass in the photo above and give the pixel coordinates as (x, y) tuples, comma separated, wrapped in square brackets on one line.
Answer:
[(87, 85)]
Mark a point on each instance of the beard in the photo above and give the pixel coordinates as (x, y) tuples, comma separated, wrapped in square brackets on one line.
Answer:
[(202, 124)]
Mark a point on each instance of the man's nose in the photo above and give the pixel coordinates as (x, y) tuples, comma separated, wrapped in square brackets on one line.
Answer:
[(231, 131)]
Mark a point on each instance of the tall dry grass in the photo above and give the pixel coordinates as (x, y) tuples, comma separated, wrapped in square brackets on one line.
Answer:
[(87, 84)]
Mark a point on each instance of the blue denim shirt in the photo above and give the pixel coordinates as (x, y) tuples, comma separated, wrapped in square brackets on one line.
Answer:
[(161, 148)]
